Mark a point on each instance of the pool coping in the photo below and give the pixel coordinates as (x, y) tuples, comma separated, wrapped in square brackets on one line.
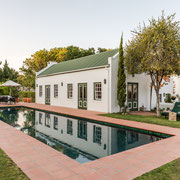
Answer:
[(44, 162)]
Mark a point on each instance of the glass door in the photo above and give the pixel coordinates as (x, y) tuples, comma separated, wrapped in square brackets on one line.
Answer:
[(82, 96), (132, 96), (47, 94)]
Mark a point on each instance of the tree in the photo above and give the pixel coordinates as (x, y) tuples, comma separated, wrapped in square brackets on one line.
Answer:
[(100, 50), (8, 73), (121, 83), (155, 50)]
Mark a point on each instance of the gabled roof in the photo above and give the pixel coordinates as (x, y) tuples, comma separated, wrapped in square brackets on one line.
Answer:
[(92, 61)]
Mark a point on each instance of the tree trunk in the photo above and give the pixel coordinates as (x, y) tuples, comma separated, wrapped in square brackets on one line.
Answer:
[(157, 103), (151, 87)]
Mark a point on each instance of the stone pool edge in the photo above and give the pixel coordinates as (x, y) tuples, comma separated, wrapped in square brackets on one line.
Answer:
[(47, 163)]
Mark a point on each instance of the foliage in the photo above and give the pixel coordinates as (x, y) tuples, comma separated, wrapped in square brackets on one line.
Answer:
[(168, 98), (8, 73), (168, 171), (27, 94), (121, 83), (9, 170), (9, 117), (100, 50), (155, 50), (29, 124)]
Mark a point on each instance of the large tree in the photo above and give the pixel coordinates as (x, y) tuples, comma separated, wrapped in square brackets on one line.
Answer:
[(121, 83), (155, 50)]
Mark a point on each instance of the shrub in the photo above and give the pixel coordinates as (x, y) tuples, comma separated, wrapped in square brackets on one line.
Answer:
[(168, 98), (27, 94)]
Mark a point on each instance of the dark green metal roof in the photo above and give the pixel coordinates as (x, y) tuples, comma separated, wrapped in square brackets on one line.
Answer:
[(91, 61)]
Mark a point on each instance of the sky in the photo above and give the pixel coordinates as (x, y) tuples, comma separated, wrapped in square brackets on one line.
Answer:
[(27, 26)]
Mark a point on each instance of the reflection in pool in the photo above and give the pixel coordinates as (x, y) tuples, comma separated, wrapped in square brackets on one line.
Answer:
[(79, 139)]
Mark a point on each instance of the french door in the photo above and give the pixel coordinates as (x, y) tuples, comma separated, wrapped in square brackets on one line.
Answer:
[(132, 98), (82, 96), (47, 94)]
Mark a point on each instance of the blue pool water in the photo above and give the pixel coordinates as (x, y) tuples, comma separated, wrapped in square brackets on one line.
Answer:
[(79, 139)]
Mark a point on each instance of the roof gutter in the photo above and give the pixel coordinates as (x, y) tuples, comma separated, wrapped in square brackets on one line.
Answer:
[(65, 72)]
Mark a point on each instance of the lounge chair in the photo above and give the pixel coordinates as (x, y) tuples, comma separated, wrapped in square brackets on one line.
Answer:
[(176, 109)]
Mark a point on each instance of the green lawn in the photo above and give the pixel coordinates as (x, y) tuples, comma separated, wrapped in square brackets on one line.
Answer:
[(146, 119), (9, 170), (170, 171)]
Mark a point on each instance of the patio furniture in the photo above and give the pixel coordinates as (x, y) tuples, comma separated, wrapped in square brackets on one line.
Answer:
[(176, 109), (7, 99)]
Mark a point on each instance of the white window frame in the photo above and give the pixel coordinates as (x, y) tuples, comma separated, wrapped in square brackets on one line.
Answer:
[(97, 134), (55, 90), (97, 91), (40, 91), (69, 91), (56, 120), (47, 120)]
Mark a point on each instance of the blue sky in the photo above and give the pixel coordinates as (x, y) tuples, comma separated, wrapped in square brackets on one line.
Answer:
[(30, 25)]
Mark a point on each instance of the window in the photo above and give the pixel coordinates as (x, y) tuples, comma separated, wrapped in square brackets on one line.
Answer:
[(40, 91), (97, 135), (82, 129), (70, 91), (40, 118), (47, 120), (69, 127), (56, 90), (56, 122), (160, 98), (97, 91)]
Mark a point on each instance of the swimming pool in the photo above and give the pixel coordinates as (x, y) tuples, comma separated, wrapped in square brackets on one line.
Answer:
[(78, 138)]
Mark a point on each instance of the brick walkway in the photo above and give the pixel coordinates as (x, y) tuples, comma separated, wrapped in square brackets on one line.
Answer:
[(39, 161)]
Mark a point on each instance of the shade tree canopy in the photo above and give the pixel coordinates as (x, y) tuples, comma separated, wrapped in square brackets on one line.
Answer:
[(155, 50)]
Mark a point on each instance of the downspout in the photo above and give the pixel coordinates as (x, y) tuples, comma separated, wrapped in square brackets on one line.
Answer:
[(107, 89), (109, 84)]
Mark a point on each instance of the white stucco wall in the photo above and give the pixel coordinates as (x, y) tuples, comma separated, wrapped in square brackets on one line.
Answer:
[(166, 89), (89, 77), (176, 80), (143, 81), (143, 86)]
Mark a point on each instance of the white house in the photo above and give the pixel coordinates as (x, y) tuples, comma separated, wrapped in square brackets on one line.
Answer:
[(90, 83)]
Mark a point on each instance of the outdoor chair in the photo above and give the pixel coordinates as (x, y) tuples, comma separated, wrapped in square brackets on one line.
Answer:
[(13, 100), (176, 109), (1, 99), (5, 99)]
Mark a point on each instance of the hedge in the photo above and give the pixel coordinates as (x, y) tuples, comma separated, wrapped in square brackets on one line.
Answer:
[(27, 94)]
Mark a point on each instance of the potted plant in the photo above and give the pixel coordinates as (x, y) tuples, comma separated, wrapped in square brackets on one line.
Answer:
[(29, 100), (25, 95)]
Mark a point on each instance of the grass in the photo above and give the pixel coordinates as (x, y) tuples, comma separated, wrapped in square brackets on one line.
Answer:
[(166, 172), (9, 170), (146, 119)]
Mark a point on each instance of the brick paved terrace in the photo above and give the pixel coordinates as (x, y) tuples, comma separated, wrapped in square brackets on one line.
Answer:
[(39, 161)]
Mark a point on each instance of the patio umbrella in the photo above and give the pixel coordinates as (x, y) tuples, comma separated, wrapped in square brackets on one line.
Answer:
[(10, 84)]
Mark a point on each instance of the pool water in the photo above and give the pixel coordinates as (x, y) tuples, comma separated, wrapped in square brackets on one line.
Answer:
[(79, 139)]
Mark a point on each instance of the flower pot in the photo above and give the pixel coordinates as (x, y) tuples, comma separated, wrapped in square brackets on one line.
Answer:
[(17, 100), (28, 100), (25, 99)]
